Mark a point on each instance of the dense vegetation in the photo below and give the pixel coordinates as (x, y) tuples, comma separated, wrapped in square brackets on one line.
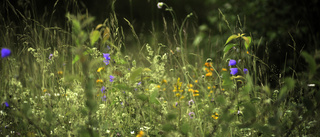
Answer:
[(173, 72)]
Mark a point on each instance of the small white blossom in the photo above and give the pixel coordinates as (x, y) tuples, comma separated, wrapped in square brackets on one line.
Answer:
[(159, 5)]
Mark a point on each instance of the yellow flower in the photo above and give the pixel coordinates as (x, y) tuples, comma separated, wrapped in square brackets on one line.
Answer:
[(178, 94), (214, 87), (60, 72), (190, 90), (100, 69), (211, 91), (190, 85), (209, 87), (195, 95), (45, 90), (141, 133), (196, 81), (211, 69), (158, 86), (182, 97), (164, 81), (215, 116), (99, 81), (224, 69), (247, 52), (196, 91)]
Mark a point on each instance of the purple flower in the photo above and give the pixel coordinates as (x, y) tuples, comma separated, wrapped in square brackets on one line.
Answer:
[(176, 104), (5, 52), (103, 89), (108, 47), (104, 98), (191, 101), (139, 83), (232, 62), (234, 71), (7, 104), (111, 78), (191, 114), (50, 56), (107, 58), (245, 71)]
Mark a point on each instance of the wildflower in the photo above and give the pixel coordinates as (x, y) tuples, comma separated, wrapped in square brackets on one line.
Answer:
[(190, 85), (176, 104), (196, 81), (44, 90), (99, 81), (234, 71), (60, 72), (100, 69), (107, 58), (6, 104), (190, 90), (178, 94), (214, 87), (224, 69), (207, 64), (209, 74), (191, 114), (164, 81), (111, 78), (132, 132), (245, 70), (103, 89), (159, 5), (158, 86), (195, 95), (247, 52), (211, 91), (50, 56), (191, 101), (196, 91), (209, 87), (5, 52), (232, 62), (104, 98), (138, 84), (141, 133), (215, 116)]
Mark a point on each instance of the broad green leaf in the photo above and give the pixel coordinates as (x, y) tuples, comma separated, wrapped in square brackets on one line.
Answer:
[(290, 83), (228, 47), (153, 97), (135, 73), (94, 36), (76, 58), (247, 41), (311, 62), (76, 27), (171, 116), (249, 111), (231, 38), (185, 128)]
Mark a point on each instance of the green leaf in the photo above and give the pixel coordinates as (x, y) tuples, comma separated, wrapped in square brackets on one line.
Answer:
[(185, 128), (135, 73), (153, 97), (94, 36), (231, 38), (171, 116), (76, 58), (311, 62), (76, 27), (249, 111), (228, 47), (290, 83), (247, 41)]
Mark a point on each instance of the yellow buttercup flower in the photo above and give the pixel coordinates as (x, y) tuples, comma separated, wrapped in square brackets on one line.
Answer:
[(141, 133), (215, 116), (195, 95), (99, 81), (44, 90), (60, 72), (100, 69)]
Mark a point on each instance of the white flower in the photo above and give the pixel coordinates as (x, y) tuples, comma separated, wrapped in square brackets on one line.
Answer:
[(132, 132), (159, 5), (108, 131)]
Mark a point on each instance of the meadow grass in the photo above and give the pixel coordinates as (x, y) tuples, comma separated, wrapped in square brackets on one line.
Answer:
[(85, 80)]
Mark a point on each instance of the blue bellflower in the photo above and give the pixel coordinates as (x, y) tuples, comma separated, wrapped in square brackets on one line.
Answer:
[(232, 62), (107, 58), (234, 71), (5, 52)]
